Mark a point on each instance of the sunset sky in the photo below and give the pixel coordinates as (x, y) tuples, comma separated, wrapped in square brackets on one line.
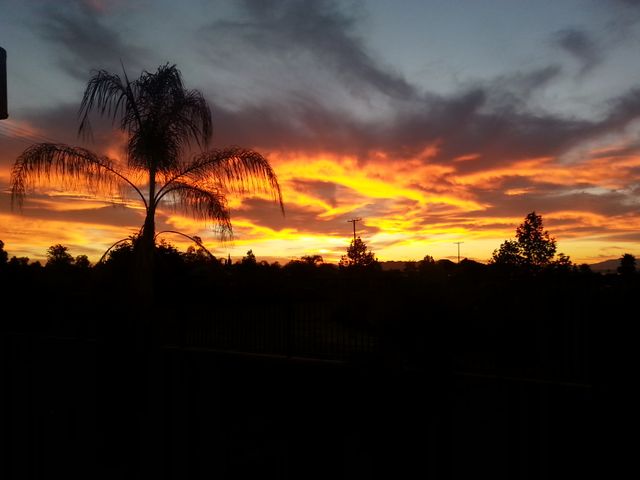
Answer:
[(435, 121)]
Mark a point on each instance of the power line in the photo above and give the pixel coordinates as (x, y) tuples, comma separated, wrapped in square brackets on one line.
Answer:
[(19, 133), (26, 132)]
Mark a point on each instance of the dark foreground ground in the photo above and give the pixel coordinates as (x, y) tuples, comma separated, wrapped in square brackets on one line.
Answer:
[(83, 409), (518, 379)]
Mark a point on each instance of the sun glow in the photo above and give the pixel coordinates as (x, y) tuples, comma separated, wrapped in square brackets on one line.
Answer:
[(410, 208)]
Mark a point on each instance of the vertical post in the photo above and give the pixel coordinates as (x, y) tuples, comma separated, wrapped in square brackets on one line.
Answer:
[(354, 220), (3, 84), (458, 243)]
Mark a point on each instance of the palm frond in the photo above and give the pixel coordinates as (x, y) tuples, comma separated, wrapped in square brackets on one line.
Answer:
[(190, 117), (107, 94), (72, 166), (195, 240), (170, 118), (202, 204), (233, 169)]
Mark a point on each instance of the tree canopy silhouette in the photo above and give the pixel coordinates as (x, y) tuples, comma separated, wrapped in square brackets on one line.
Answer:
[(627, 264), (358, 255), (4, 256), (162, 120), (533, 246), (58, 256)]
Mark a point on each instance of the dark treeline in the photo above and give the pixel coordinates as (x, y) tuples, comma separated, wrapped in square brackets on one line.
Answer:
[(447, 368), (531, 321)]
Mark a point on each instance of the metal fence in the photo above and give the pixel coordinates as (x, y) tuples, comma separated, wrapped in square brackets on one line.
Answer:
[(300, 330)]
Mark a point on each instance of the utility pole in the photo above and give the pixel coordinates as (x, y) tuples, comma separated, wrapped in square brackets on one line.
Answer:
[(354, 220), (458, 243)]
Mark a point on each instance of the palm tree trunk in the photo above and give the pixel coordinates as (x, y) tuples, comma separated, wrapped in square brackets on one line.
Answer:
[(147, 239), (146, 244)]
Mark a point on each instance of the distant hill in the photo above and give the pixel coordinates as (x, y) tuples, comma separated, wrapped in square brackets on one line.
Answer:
[(392, 265), (400, 264), (608, 266)]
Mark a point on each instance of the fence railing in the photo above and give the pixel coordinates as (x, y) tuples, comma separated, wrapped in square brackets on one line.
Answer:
[(306, 330)]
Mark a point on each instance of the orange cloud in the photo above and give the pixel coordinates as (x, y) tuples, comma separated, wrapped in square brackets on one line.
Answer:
[(410, 208)]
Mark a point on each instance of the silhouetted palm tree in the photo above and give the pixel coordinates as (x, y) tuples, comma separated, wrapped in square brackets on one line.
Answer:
[(161, 119)]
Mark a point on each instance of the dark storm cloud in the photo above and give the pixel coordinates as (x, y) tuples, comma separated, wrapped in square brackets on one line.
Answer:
[(320, 30), (581, 45), (86, 42)]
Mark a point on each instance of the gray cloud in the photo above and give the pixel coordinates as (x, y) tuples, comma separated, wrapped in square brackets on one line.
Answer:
[(491, 119), (629, 3), (61, 126), (461, 125), (283, 35), (548, 197), (515, 90), (86, 42), (581, 45)]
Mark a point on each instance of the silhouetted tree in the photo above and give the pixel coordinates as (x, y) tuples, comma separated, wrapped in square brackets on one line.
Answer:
[(198, 255), (249, 259), (4, 256), (312, 259), (121, 253), (426, 265), (509, 253), (627, 264), (358, 255), (19, 261), (169, 257), (533, 245), (58, 256), (537, 246), (562, 262), (585, 269), (82, 261), (428, 260), (446, 265), (161, 119)]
